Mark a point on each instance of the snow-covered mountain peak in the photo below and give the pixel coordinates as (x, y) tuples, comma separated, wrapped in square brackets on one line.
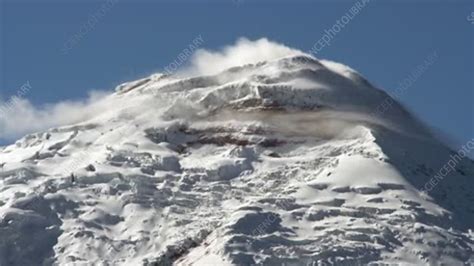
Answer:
[(272, 162), (291, 83)]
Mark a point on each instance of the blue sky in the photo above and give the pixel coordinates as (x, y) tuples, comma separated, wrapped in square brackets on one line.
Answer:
[(385, 42)]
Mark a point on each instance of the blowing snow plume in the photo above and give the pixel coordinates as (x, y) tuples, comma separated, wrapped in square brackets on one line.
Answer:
[(21, 117), (243, 52)]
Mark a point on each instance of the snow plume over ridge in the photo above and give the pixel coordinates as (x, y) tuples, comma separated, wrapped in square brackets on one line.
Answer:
[(22, 117), (244, 51)]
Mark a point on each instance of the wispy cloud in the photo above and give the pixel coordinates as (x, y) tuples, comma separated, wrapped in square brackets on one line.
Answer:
[(22, 117), (244, 51)]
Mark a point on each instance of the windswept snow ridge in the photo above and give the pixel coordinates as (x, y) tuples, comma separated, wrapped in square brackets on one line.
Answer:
[(271, 163)]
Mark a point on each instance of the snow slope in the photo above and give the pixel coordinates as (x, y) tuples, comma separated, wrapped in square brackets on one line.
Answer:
[(278, 162)]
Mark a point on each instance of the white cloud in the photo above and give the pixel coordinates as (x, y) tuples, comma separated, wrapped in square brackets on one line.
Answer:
[(244, 51), (19, 117)]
